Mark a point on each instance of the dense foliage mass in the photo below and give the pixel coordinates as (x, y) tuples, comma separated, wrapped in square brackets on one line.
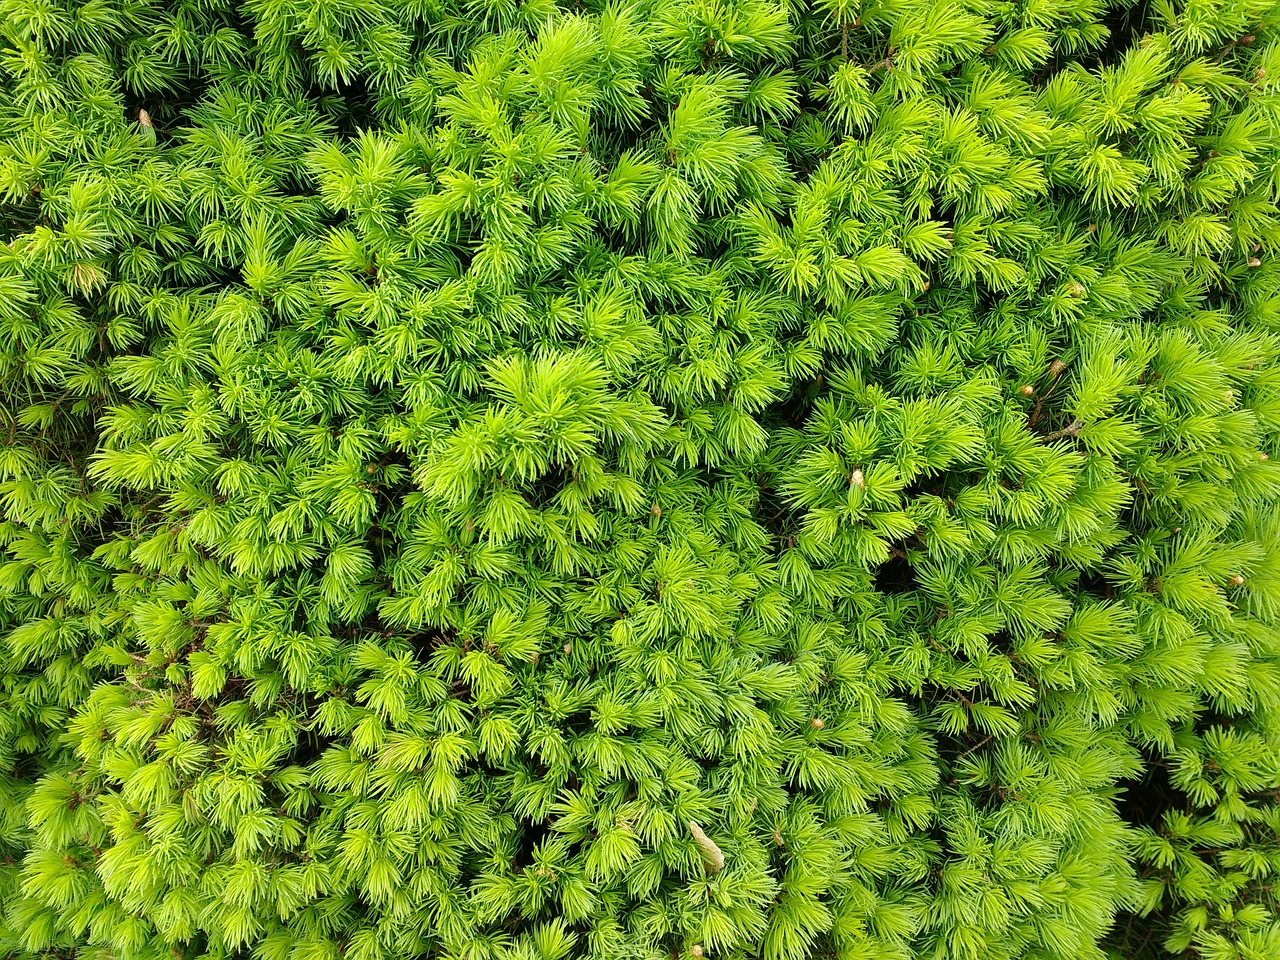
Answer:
[(500, 480)]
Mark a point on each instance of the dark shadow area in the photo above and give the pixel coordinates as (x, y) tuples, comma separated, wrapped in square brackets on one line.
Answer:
[(1143, 801), (895, 575)]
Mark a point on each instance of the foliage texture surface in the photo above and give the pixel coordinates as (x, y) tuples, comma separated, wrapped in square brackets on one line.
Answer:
[(508, 480)]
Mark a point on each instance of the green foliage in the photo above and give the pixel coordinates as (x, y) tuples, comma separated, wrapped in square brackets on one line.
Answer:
[(633, 480)]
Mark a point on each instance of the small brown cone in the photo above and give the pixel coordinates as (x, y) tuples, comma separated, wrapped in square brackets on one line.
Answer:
[(711, 854)]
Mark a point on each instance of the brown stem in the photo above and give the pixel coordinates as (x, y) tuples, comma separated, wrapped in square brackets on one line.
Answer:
[(976, 746)]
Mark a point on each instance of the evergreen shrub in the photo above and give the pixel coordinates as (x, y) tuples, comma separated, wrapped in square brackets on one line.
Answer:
[(639, 479)]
